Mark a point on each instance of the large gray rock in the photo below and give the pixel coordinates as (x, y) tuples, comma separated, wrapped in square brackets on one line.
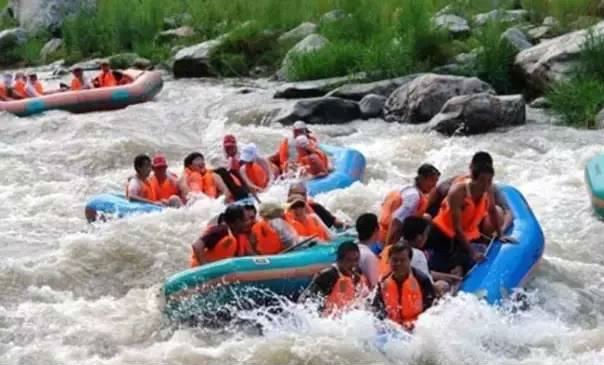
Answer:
[(311, 43), (421, 99), (540, 32), (194, 61), (36, 15), (516, 39), (169, 35), (553, 60), (372, 105), (298, 33), (499, 15), (479, 113), (13, 37), (333, 16), (315, 88), (383, 88), (540, 103), (128, 60), (50, 47), (327, 110), (453, 24)]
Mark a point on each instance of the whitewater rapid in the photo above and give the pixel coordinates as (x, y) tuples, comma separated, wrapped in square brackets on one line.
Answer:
[(74, 293)]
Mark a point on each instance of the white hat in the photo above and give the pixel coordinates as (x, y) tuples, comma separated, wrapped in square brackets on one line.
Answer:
[(302, 141), (249, 152), (299, 125), (8, 78)]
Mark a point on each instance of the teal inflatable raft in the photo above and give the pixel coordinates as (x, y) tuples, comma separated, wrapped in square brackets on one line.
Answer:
[(594, 178), (349, 167), (214, 290)]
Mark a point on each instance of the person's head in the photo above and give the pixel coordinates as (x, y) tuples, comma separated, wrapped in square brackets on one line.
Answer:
[(297, 205), (427, 178), (249, 153), (415, 231), (480, 158), (78, 72), (105, 66), (142, 165), (159, 165), (195, 161), (367, 227), (20, 76), (298, 188), (299, 129), (348, 256), (234, 217), (482, 175), (229, 144), (250, 216), (302, 144), (7, 78), (400, 260), (270, 211), (33, 78)]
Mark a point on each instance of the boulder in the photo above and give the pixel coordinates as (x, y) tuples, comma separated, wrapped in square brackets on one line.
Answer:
[(177, 21), (169, 35), (553, 60), (421, 99), (90, 65), (315, 88), (371, 106), (550, 21), (453, 24), (333, 16), (505, 16), (194, 61), (540, 103), (479, 113), (516, 39), (298, 33), (37, 15), (359, 91), (311, 43), (13, 37), (128, 60), (540, 32), (327, 110), (50, 47)]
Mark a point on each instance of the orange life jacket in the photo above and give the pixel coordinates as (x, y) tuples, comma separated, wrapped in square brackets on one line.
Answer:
[(320, 166), (403, 303), (20, 89), (344, 293), (393, 201), (225, 248), (76, 84), (3, 93), (106, 79), (309, 228), (199, 183), (284, 153), (166, 189), (39, 88), (268, 241), (146, 192), (256, 174), (471, 215)]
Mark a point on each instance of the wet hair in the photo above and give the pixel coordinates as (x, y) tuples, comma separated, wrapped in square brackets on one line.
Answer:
[(366, 225), (345, 248), (233, 213), (427, 170), (482, 157), (400, 247), (140, 160), (413, 227), (191, 157), (250, 206), (482, 168)]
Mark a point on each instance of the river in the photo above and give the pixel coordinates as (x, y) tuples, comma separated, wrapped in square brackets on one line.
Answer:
[(75, 293)]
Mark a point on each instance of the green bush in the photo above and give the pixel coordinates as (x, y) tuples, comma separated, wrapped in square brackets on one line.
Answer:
[(496, 60), (335, 59), (578, 101), (565, 11)]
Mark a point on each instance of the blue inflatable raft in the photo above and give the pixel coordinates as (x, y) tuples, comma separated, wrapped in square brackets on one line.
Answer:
[(215, 289), (349, 167)]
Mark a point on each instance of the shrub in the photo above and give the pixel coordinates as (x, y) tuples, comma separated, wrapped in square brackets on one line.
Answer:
[(578, 101)]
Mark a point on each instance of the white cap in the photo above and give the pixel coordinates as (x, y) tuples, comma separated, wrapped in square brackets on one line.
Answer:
[(302, 142), (299, 125), (8, 78), (249, 152)]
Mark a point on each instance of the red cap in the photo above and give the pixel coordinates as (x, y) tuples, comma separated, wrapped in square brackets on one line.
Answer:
[(159, 160), (229, 140)]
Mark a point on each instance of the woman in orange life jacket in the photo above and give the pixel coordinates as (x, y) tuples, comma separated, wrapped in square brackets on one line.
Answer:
[(410, 201), (197, 179), (327, 218), (272, 234), (340, 287), (311, 160), (138, 187), (164, 183), (224, 240), (255, 170), (305, 223), (405, 293), (79, 82), (458, 220)]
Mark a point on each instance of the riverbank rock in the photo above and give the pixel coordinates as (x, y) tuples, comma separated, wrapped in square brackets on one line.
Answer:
[(129, 60), (298, 33), (455, 25), (540, 103), (50, 47), (333, 16), (553, 60), (516, 39), (372, 105), (194, 61), (357, 91), (13, 37), (37, 15), (327, 110), (315, 88), (499, 15), (172, 34), (421, 99), (479, 113), (311, 43)]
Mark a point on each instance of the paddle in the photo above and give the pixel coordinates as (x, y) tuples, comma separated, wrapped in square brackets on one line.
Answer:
[(299, 244)]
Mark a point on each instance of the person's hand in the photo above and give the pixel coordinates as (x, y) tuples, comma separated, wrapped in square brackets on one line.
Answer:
[(427, 217), (477, 256), (507, 239)]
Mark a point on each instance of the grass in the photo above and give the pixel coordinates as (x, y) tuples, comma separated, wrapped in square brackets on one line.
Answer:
[(566, 12)]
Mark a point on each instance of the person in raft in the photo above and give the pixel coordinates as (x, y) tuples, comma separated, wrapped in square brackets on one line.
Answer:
[(20, 85), (287, 155), (256, 171), (6, 87), (223, 241), (79, 82), (34, 87), (340, 287), (405, 292), (231, 152), (305, 223), (327, 218), (105, 78), (164, 183), (272, 234), (138, 187), (487, 228), (311, 160), (412, 200), (368, 231)]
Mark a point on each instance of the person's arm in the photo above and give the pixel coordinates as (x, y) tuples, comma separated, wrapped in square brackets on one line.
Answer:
[(377, 305), (436, 276), (411, 200), (507, 212), (428, 292), (372, 269), (321, 286), (493, 213), (253, 188), (327, 218), (456, 200), (134, 191), (317, 167), (197, 258), (437, 195)]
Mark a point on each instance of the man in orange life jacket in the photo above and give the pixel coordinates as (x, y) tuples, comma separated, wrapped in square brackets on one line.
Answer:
[(79, 82), (286, 156), (138, 188), (313, 161), (6, 87), (164, 183), (305, 222), (410, 201), (105, 78), (405, 293), (329, 219), (341, 286)]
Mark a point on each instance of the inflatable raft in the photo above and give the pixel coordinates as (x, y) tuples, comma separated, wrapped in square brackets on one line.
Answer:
[(145, 86), (349, 166), (212, 290), (594, 178)]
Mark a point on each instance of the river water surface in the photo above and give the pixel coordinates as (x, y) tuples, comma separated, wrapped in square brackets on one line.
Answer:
[(74, 293)]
